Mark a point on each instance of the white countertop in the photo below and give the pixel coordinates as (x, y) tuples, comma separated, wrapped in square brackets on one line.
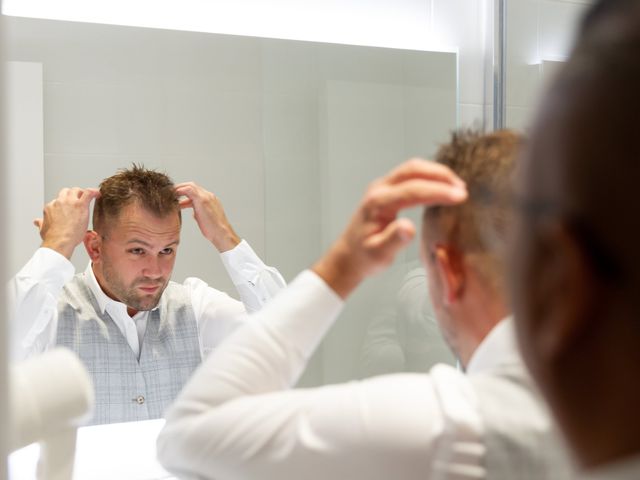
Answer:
[(122, 451)]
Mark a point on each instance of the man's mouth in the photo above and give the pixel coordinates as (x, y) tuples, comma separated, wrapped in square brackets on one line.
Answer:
[(149, 288)]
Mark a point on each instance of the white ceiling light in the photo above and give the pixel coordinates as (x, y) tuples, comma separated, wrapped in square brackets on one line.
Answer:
[(383, 23)]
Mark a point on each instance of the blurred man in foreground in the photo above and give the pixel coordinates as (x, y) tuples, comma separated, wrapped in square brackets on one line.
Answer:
[(238, 417), (576, 259)]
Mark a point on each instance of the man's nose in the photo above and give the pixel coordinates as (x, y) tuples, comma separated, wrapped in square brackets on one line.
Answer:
[(152, 267)]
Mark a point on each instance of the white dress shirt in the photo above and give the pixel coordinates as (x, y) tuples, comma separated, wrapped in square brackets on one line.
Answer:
[(237, 417), (35, 290)]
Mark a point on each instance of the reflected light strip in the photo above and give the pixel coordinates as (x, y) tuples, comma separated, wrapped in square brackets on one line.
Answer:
[(355, 22)]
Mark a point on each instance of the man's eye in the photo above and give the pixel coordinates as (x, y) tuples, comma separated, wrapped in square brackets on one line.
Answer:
[(137, 251), (166, 251)]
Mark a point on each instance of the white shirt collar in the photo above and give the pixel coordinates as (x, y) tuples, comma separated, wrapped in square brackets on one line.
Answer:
[(101, 297), (497, 347)]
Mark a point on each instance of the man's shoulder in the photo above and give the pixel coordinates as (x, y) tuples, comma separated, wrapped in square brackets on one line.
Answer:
[(75, 290), (176, 290), (177, 294)]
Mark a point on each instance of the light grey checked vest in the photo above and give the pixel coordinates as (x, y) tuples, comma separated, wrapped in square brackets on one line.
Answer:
[(127, 389)]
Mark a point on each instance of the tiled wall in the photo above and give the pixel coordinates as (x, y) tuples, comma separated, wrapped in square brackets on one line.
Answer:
[(538, 32), (467, 26)]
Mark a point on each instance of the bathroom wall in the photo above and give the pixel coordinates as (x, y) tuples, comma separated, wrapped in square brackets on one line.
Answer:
[(539, 35), (24, 150)]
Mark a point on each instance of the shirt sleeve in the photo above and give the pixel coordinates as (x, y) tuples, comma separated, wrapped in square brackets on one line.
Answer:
[(237, 418), (256, 282), (33, 297), (218, 314)]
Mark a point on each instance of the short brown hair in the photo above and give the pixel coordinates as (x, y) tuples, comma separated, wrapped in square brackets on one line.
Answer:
[(485, 161), (152, 190)]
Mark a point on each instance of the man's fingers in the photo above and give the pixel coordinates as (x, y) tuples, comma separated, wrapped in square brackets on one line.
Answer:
[(187, 189), (389, 241), (92, 192), (185, 184), (86, 194), (410, 193), (186, 192), (422, 169), (185, 203)]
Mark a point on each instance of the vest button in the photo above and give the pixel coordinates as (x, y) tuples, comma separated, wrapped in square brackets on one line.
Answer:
[(140, 399)]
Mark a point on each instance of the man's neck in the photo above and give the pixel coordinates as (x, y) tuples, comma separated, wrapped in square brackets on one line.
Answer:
[(101, 284), (479, 313)]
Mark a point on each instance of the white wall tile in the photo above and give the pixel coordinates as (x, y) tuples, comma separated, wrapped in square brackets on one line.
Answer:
[(522, 31), (471, 115), (81, 118), (458, 23), (292, 189), (558, 24), (538, 32), (141, 118), (523, 84), (520, 118)]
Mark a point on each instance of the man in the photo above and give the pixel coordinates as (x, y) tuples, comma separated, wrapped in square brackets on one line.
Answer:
[(576, 267), (237, 417), (139, 334)]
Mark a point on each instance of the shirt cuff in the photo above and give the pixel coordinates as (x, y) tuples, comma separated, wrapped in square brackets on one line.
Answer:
[(242, 263)]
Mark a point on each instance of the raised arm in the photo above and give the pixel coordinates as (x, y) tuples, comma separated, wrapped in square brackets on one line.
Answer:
[(256, 282), (65, 219), (209, 214), (237, 418), (375, 234), (34, 290)]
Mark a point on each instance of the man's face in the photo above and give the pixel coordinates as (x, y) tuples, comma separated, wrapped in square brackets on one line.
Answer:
[(137, 255)]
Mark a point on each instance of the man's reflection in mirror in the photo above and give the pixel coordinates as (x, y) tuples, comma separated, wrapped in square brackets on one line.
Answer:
[(404, 335), (460, 296), (139, 334)]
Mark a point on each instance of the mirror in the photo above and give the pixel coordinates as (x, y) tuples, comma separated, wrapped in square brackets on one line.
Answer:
[(286, 133)]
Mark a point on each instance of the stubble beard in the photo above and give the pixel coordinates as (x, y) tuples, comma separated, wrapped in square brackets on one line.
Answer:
[(130, 295)]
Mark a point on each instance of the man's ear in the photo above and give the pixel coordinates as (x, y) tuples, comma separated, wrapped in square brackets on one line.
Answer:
[(93, 244), (449, 265), (563, 290)]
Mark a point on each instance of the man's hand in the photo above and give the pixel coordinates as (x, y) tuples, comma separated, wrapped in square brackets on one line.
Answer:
[(374, 234), (65, 219), (208, 212)]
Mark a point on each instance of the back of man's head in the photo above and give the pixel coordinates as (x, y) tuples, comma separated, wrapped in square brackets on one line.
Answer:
[(577, 259), (478, 227), (149, 189)]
